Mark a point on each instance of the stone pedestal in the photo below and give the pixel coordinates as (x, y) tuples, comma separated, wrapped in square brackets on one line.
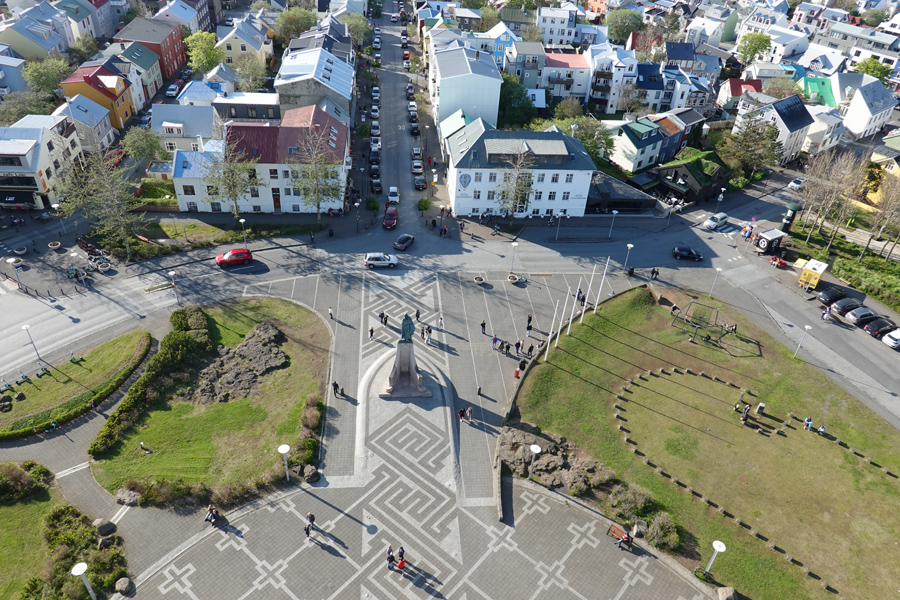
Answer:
[(404, 381)]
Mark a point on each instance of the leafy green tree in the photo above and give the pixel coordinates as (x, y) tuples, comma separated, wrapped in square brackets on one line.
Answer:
[(19, 104), (569, 108), (201, 48), (751, 46), (780, 87), (357, 26), (872, 66), (532, 33), (259, 5), (594, 135), (251, 73), (84, 48), (874, 18), (316, 174), (144, 143), (294, 21), (622, 23), (473, 4), (753, 146), (44, 75), (517, 108), (490, 16), (231, 175), (513, 193)]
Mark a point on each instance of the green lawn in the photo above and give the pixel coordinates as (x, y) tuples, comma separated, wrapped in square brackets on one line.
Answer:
[(831, 510), (68, 380), (233, 442), (22, 549)]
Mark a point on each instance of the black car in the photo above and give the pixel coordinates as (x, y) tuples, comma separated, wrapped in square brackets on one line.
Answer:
[(375, 186), (187, 73), (374, 157), (419, 183), (679, 252), (403, 43), (879, 327), (830, 296), (414, 129), (375, 172), (404, 241), (413, 117), (410, 95), (845, 305)]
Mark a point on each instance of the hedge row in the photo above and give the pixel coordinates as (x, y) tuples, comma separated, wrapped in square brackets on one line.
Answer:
[(186, 344), (74, 408)]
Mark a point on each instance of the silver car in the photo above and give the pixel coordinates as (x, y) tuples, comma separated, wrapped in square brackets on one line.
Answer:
[(380, 259)]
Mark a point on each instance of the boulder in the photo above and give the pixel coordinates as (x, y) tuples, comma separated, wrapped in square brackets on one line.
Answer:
[(123, 585), (105, 542), (127, 497), (6, 398), (727, 593), (310, 474), (104, 527), (640, 529), (19, 396), (5, 406)]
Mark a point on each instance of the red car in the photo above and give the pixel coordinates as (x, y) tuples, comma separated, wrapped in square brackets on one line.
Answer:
[(115, 158), (238, 256)]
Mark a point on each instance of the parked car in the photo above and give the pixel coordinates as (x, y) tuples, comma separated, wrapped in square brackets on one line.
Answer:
[(410, 95), (409, 87), (375, 112), (413, 117), (407, 65), (376, 102), (861, 315), (394, 18), (115, 158), (238, 256), (417, 168), (879, 327), (679, 252), (393, 195), (380, 259), (845, 305), (411, 106), (377, 32), (375, 157), (376, 92), (419, 183), (390, 217), (404, 241), (830, 296), (375, 142), (716, 221), (404, 43), (797, 184), (417, 154), (375, 172), (375, 186), (173, 89), (187, 73), (375, 128), (406, 55), (892, 339), (414, 129), (144, 122), (376, 44)]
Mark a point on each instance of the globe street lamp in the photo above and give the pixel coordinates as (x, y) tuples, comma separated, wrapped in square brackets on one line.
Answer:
[(10, 261), (806, 329), (244, 231), (614, 213), (284, 449), (425, 142), (558, 220), (174, 287), (535, 450), (80, 569), (25, 329), (356, 204), (718, 270), (513, 263), (433, 181), (629, 246), (59, 215), (721, 197)]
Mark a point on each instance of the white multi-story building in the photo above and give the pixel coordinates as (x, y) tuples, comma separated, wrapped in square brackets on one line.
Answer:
[(785, 43), (479, 159), (91, 122), (826, 130), (760, 20), (464, 79), (557, 24), (789, 116), (704, 31), (178, 11), (566, 75), (612, 67)]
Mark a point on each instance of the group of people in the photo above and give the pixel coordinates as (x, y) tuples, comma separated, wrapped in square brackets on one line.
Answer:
[(426, 334), (654, 273), (465, 414), (505, 347), (808, 426), (747, 232), (399, 560), (212, 514), (443, 231)]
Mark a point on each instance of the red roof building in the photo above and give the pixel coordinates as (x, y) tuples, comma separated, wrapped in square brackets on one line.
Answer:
[(162, 37)]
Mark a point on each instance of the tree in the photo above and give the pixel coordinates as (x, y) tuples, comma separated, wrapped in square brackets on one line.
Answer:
[(831, 177), (518, 109), (231, 175), (84, 48), (294, 21), (45, 75), (751, 46), (632, 98), (259, 5), (780, 87), (594, 135), (251, 73), (532, 33), (622, 23), (490, 16), (513, 193), (752, 146), (872, 66), (888, 210), (143, 143), (357, 26), (649, 46), (569, 108), (316, 174), (873, 17), (847, 5), (19, 104), (473, 4), (201, 48)]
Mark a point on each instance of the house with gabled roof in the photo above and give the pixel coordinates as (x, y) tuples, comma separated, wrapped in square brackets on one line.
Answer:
[(467, 79), (38, 31), (11, 79), (525, 60), (246, 39), (732, 90), (694, 175), (110, 90), (162, 37), (704, 31), (567, 75), (612, 68), (222, 78), (179, 11), (82, 17), (145, 61), (637, 144), (789, 116), (812, 18), (821, 60), (91, 123), (863, 101), (826, 130), (183, 126), (307, 77)]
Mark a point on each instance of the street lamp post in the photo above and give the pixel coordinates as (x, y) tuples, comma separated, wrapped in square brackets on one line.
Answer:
[(59, 216), (356, 204), (25, 329), (721, 197), (434, 185), (284, 449), (535, 450), (627, 254), (174, 287), (717, 547), (614, 213), (80, 569), (806, 328), (244, 231), (425, 143), (513, 263), (718, 270), (10, 261), (559, 217)]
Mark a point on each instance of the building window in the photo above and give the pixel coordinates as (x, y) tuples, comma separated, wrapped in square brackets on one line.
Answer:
[(477, 177), (243, 47), (492, 177), (228, 60), (172, 130), (72, 144), (570, 177), (251, 112), (287, 191), (295, 207), (211, 190), (285, 174), (50, 146), (536, 212), (565, 196), (254, 192), (216, 207), (170, 146), (554, 178), (187, 190), (540, 178), (491, 195), (273, 173), (233, 111), (192, 206), (195, 147), (551, 196), (49, 173), (270, 112), (538, 195), (476, 195), (228, 47), (257, 208)]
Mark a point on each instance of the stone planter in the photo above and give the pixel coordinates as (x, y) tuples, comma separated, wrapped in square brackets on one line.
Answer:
[(479, 280), (17, 263), (513, 278), (104, 267), (54, 245), (21, 250)]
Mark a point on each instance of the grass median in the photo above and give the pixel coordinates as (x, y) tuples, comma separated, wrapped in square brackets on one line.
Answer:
[(830, 509), (22, 547)]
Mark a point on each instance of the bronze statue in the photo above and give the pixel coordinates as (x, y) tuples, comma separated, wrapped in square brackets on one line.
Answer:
[(407, 329)]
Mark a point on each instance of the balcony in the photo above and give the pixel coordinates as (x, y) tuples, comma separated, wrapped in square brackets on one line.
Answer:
[(561, 80), (604, 74), (4, 90), (601, 86)]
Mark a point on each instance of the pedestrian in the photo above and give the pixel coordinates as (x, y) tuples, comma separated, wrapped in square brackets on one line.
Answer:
[(530, 350), (517, 348), (529, 319), (734, 328), (481, 219), (673, 310), (583, 300), (336, 387), (528, 330), (461, 414), (423, 332), (483, 324), (441, 322), (578, 295), (807, 424), (390, 559), (385, 320), (330, 313), (745, 413), (494, 341), (469, 414), (418, 314), (371, 333), (541, 344), (311, 523), (401, 553), (508, 346), (381, 317), (401, 565), (429, 164), (433, 223), (428, 337)]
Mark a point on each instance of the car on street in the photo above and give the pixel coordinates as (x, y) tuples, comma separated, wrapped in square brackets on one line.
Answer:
[(411, 107), (797, 184), (375, 143), (892, 339), (378, 58), (417, 154), (862, 315), (404, 241), (229, 21), (679, 252), (404, 43), (716, 221), (410, 95), (420, 183), (407, 65), (376, 44), (417, 167), (238, 256), (187, 73), (377, 32), (406, 55), (375, 172), (380, 259), (115, 158), (376, 102), (393, 195), (375, 128), (144, 122), (375, 113), (414, 129), (390, 217), (845, 305), (174, 89), (375, 186), (879, 327), (375, 157), (394, 18), (409, 87), (413, 117), (376, 92), (830, 296)]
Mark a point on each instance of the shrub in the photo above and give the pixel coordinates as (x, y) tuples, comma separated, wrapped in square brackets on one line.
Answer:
[(663, 532), (578, 489), (372, 203), (603, 476), (17, 483), (179, 320), (629, 502), (424, 204)]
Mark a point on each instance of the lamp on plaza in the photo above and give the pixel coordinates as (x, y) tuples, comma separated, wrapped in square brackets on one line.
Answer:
[(442, 214), (513, 263), (172, 276), (10, 261), (718, 270), (559, 217), (535, 450), (627, 254), (81, 569), (806, 329), (244, 231), (614, 213), (425, 141), (284, 449), (717, 547), (25, 328), (721, 197), (356, 204), (58, 214)]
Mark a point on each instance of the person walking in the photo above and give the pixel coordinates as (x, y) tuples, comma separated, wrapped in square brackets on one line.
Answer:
[(461, 414), (330, 313), (401, 553), (306, 530), (423, 332), (494, 341), (385, 320), (371, 333), (441, 322), (530, 350), (428, 337), (418, 314), (483, 324), (381, 317), (528, 330), (311, 523), (336, 388), (529, 320), (469, 414), (390, 558)]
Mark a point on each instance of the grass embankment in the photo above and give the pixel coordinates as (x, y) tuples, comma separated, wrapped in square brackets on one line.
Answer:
[(70, 382), (22, 547), (229, 444), (812, 497)]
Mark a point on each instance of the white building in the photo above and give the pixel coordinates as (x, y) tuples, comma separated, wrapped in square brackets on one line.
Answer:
[(637, 144), (479, 159), (785, 43), (566, 75), (760, 20), (178, 11), (557, 24), (82, 17), (464, 79), (790, 118), (308, 76), (703, 30), (864, 103), (826, 130), (611, 68), (182, 127), (91, 122)]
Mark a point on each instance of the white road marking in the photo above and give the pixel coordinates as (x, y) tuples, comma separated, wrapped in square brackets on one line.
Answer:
[(74, 469)]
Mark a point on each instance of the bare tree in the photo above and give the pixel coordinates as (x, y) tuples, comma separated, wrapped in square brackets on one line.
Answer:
[(231, 175), (632, 98), (888, 210), (315, 170), (832, 176), (513, 193)]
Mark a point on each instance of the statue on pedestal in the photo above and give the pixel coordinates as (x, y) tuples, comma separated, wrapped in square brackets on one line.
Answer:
[(404, 380)]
